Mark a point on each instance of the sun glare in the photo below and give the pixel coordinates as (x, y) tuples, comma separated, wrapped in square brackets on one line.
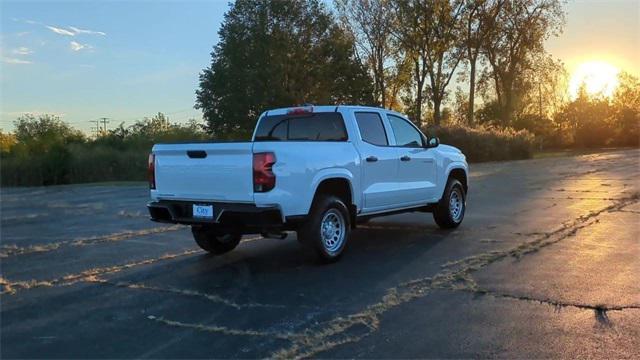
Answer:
[(597, 77)]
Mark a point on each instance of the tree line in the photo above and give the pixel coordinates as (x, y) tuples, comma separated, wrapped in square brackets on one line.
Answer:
[(442, 62), (45, 150)]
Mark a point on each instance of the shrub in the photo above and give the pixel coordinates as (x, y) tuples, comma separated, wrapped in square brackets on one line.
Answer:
[(487, 144), (49, 152)]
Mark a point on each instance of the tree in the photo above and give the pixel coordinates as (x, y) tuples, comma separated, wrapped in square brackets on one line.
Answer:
[(520, 30), (460, 106), (585, 119), (45, 129), (370, 22), (543, 89), (413, 24), (626, 110), (7, 141), (273, 54), (479, 19), (43, 143), (429, 32), (150, 128)]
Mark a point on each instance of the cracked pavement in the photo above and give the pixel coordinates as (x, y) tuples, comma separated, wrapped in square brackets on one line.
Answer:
[(545, 264)]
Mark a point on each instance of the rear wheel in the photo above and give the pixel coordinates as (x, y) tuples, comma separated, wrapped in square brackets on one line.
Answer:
[(326, 231), (449, 212), (215, 241)]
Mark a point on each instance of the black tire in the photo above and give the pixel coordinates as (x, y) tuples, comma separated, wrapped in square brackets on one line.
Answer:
[(213, 241), (318, 241), (445, 216)]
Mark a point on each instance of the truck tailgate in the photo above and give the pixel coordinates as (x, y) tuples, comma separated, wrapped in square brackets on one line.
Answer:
[(204, 171)]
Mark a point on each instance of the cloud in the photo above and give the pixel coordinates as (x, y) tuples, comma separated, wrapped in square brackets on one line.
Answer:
[(27, 21), (83, 31), (73, 31), (60, 31), (8, 60), (22, 51), (76, 46), (66, 31)]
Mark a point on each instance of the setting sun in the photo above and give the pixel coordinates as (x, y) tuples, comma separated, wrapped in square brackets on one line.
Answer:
[(598, 78)]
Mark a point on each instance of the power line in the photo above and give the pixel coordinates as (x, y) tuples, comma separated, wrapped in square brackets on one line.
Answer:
[(97, 127)]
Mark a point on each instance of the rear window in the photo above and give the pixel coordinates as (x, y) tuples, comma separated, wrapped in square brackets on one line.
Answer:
[(302, 127)]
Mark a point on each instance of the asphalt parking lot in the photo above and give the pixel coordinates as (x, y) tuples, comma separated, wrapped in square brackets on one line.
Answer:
[(545, 264)]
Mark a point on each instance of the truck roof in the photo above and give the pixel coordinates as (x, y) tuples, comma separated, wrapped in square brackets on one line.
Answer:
[(329, 108)]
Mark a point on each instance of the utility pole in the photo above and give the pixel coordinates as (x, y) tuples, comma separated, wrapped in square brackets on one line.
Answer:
[(105, 121)]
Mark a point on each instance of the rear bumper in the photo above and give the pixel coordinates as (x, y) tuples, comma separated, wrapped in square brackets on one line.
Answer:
[(224, 214)]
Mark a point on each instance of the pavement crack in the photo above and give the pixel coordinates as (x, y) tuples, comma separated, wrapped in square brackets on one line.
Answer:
[(600, 311), (14, 250), (90, 275), (184, 292), (569, 197), (586, 191), (129, 214), (11, 287), (627, 211), (222, 329), (598, 308), (19, 218)]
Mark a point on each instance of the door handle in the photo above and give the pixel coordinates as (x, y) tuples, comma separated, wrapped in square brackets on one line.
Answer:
[(372, 159), (197, 154), (405, 158)]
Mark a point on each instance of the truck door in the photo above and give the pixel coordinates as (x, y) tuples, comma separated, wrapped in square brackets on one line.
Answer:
[(417, 165), (379, 162)]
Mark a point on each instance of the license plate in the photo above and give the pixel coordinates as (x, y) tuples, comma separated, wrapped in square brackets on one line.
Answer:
[(203, 211)]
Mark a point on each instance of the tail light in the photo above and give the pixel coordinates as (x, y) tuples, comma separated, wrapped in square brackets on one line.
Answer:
[(151, 171), (263, 177)]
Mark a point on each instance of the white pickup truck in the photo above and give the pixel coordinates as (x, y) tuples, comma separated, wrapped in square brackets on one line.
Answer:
[(317, 170)]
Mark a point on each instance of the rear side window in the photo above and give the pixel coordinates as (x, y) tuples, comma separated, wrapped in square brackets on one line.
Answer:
[(272, 128), (304, 127), (371, 128)]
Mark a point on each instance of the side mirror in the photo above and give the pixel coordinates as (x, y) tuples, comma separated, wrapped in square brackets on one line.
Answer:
[(433, 142)]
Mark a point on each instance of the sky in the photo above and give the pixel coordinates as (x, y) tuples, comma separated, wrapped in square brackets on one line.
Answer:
[(125, 60), (602, 30)]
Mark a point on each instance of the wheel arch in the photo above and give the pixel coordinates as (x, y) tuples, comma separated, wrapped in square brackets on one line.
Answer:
[(458, 171), (459, 174), (338, 184)]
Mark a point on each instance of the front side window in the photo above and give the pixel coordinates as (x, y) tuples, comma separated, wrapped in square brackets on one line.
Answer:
[(371, 128), (405, 134), (302, 127)]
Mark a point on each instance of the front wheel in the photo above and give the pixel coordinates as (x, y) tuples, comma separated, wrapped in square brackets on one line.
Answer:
[(214, 241), (326, 231), (449, 211)]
